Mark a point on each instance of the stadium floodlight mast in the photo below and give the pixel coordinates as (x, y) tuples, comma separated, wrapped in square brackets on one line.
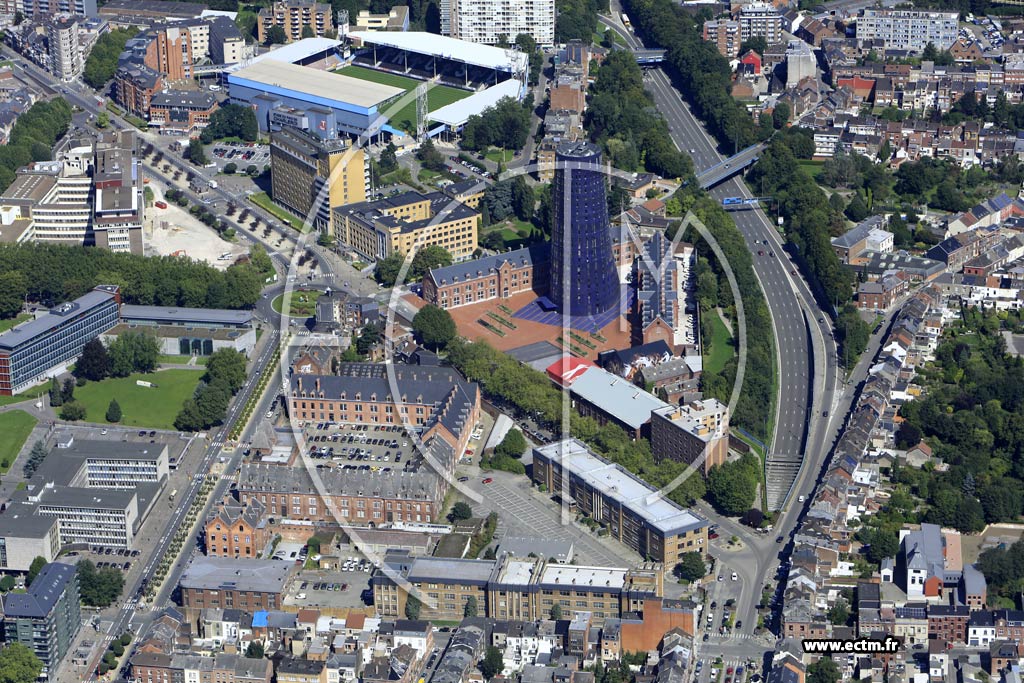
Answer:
[(396, 306)]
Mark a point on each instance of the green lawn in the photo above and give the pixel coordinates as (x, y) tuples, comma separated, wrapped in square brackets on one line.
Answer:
[(15, 427), (262, 200), (499, 155), (721, 349), (154, 407), (180, 360), (813, 168), (16, 320), (303, 303), (35, 392), (405, 117)]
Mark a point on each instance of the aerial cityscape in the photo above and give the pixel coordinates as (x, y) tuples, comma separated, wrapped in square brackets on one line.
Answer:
[(524, 341)]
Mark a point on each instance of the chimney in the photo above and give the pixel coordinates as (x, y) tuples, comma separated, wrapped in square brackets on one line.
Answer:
[(318, 385)]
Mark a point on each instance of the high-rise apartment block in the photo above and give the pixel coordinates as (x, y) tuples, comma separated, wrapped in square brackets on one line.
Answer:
[(47, 8), (760, 19), (303, 165), (65, 51), (908, 29), (483, 21), (47, 617), (725, 34), (293, 16), (583, 276)]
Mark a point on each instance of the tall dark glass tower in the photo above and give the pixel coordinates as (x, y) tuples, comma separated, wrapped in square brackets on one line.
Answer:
[(581, 244)]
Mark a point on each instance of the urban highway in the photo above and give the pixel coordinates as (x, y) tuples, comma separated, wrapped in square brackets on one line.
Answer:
[(807, 372)]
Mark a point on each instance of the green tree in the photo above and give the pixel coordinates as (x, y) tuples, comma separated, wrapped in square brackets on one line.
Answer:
[(853, 334), (230, 168), (231, 120), (470, 608), (460, 512), (434, 326), (19, 664), (133, 352), (33, 569), (94, 363), (691, 567), (492, 663), (102, 120), (196, 153), (732, 485), (413, 607), (13, 291), (275, 36), (35, 458), (113, 411), (387, 269), (307, 31), (839, 613), (228, 366), (7, 584), (72, 412), (254, 650), (513, 445), (102, 61), (56, 396), (780, 115), (429, 157), (556, 612), (856, 210), (67, 390), (756, 43), (823, 671), (99, 587), (388, 158), (426, 259)]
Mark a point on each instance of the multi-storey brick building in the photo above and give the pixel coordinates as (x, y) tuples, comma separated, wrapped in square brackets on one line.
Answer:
[(634, 513), (237, 529), (500, 276), (222, 583), (512, 588)]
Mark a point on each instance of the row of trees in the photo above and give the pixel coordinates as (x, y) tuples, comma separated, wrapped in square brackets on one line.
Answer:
[(698, 69), (225, 375), (755, 403), (32, 138), (525, 391), (577, 19), (623, 118), (60, 273), (506, 125), (811, 221), (102, 61)]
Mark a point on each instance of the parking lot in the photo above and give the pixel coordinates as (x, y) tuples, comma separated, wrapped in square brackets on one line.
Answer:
[(334, 588), (241, 154), (367, 447)]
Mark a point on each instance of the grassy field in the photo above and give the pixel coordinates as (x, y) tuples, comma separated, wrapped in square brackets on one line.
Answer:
[(813, 168), (180, 360), (303, 303), (721, 349), (154, 407), (499, 155), (405, 118), (15, 427), (34, 392), (11, 322), (262, 200)]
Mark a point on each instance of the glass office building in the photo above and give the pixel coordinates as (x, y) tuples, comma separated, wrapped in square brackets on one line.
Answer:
[(33, 349), (583, 276)]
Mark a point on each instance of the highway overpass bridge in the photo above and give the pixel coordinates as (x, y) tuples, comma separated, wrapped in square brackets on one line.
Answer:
[(727, 168)]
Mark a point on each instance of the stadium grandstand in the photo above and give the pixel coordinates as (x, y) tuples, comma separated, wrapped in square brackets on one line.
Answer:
[(427, 56), (451, 118)]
